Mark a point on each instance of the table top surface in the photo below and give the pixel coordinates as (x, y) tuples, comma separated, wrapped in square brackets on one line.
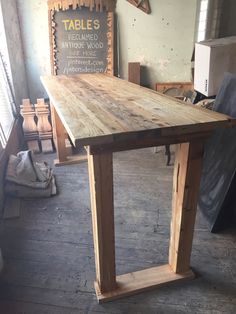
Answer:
[(101, 109)]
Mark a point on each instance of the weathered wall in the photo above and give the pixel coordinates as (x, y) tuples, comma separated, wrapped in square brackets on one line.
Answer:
[(15, 51), (34, 26), (162, 41)]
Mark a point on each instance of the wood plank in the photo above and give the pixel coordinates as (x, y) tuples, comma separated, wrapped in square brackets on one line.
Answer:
[(102, 203), (47, 146), (60, 140), (58, 135), (34, 146), (11, 207), (107, 109), (50, 297), (71, 160), (120, 97), (187, 175), (169, 109), (12, 306), (134, 72), (111, 43), (108, 5), (44, 126), (27, 111), (141, 281), (148, 142), (59, 229), (181, 86)]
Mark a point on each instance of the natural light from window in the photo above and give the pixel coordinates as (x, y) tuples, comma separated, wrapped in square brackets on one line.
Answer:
[(202, 25), (6, 114)]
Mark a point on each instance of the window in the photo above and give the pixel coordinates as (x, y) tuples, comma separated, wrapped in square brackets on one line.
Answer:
[(202, 22), (6, 115), (209, 19), (215, 14), (6, 99)]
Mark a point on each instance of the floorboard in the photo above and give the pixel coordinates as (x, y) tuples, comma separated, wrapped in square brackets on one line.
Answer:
[(48, 250)]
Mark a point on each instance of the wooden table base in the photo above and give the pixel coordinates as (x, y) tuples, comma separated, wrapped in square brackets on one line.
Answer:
[(107, 115), (59, 135), (141, 281), (71, 160), (186, 180)]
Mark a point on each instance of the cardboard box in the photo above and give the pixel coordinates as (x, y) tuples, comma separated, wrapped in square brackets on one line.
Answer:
[(212, 59)]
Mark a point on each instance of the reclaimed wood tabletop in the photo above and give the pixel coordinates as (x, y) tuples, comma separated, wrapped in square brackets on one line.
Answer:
[(103, 109), (108, 114)]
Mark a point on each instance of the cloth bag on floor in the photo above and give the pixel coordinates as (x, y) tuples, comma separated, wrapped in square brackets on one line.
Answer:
[(28, 178)]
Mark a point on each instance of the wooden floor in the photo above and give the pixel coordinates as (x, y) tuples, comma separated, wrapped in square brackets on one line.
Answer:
[(48, 251)]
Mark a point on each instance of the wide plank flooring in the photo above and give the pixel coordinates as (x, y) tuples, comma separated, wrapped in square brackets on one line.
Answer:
[(48, 251)]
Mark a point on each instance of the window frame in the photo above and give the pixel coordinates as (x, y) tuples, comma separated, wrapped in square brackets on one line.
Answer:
[(6, 94)]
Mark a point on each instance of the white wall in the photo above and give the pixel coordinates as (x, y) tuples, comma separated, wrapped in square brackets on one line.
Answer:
[(162, 41), (15, 51), (34, 27)]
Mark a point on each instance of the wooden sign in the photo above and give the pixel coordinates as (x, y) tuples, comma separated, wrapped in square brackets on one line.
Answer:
[(142, 5), (81, 41), (98, 5)]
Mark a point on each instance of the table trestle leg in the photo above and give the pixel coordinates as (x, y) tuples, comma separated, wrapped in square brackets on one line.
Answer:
[(101, 190), (59, 135), (187, 175)]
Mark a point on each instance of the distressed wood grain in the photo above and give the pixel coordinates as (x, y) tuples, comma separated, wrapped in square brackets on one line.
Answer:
[(100, 109)]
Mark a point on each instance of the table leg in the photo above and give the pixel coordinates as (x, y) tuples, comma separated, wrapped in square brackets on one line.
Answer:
[(58, 135), (187, 175), (101, 190)]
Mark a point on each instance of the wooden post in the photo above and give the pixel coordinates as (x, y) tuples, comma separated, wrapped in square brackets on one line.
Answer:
[(29, 125), (134, 72), (187, 175), (59, 136), (62, 144), (101, 191), (43, 125)]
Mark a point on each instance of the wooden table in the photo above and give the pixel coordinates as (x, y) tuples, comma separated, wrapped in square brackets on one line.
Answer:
[(106, 114)]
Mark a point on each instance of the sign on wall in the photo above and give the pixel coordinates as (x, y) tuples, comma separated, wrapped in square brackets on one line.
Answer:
[(81, 41)]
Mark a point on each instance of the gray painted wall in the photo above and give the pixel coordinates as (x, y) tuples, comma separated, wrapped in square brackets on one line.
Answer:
[(162, 41), (15, 51), (33, 17)]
